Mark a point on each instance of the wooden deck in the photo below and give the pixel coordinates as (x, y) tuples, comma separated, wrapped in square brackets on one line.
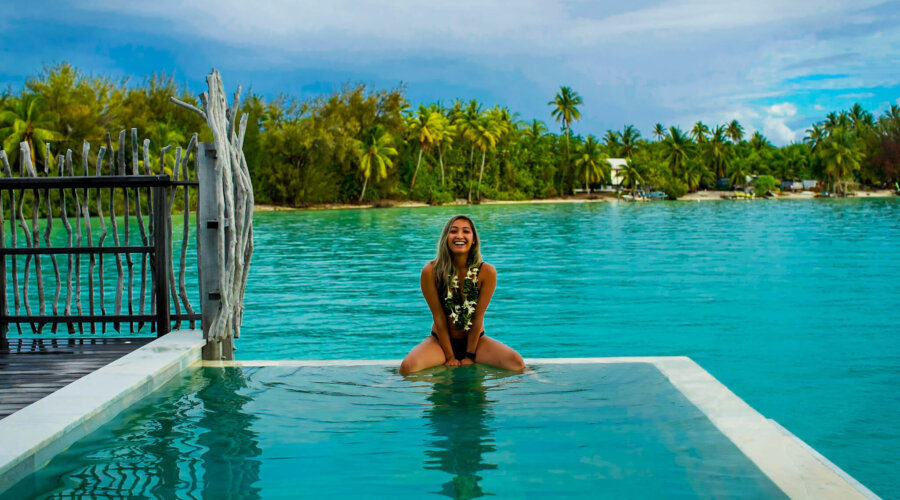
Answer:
[(35, 368)]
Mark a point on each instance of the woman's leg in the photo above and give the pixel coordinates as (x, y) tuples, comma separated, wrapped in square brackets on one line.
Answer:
[(425, 355), (495, 353)]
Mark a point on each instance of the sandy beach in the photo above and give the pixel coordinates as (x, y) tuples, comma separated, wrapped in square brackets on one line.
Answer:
[(602, 198), (800, 195)]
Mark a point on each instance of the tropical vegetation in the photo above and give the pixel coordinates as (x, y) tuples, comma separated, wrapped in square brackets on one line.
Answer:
[(356, 143)]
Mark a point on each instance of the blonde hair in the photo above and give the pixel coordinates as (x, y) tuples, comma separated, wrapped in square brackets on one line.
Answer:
[(442, 265)]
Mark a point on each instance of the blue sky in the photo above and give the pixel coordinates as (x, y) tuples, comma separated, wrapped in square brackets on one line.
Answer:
[(775, 66)]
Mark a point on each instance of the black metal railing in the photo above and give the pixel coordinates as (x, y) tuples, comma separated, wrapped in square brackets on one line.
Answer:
[(155, 249)]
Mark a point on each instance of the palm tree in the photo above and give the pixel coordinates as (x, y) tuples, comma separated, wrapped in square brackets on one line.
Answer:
[(814, 137), (611, 140), (737, 175), (659, 132), (631, 176), (486, 133), (676, 148), (465, 120), (373, 154), (565, 110), (759, 142), (443, 137), (735, 131), (841, 156), (718, 151), (860, 118), (699, 132), (162, 135), (535, 131), (630, 137), (24, 120), (422, 126), (591, 162)]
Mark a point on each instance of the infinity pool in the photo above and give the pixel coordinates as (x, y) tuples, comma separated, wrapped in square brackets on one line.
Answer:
[(591, 431)]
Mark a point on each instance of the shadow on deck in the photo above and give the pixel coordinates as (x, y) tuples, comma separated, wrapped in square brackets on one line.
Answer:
[(37, 367)]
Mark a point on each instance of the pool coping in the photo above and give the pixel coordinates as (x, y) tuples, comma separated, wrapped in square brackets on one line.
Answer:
[(35, 434), (795, 467)]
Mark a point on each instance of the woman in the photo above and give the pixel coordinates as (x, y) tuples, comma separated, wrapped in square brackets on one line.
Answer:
[(458, 287)]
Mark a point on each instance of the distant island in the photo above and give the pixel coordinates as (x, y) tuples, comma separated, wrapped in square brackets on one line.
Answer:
[(358, 146)]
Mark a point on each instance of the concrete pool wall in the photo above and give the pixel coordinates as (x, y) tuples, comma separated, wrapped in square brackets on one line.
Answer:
[(36, 433)]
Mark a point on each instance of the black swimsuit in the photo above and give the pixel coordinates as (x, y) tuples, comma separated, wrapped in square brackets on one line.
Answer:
[(459, 345)]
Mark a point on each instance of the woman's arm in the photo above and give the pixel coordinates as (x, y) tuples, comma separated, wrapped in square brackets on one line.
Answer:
[(487, 282), (429, 290)]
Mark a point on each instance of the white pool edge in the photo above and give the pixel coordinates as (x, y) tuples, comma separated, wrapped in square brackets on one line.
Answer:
[(35, 434)]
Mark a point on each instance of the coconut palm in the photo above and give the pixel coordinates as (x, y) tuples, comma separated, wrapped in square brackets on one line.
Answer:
[(718, 151), (465, 119), (759, 142), (591, 162), (699, 131), (23, 119), (631, 176), (566, 110), (486, 133), (737, 174), (814, 137), (630, 137), (422, 126), (676, 149), (860, 118), (735, 131), (374, 155), (611, 140), (659, 132), (443, 138), (841, 157), (535, 131)]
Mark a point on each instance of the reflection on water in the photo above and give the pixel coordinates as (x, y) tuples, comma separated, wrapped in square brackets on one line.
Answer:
[(198, 443), (459, 419)]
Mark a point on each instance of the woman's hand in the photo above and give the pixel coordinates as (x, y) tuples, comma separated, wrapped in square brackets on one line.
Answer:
[(466, 362), (452, 362)]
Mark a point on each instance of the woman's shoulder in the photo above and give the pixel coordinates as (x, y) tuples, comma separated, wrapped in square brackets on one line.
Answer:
[(428, 269), (485, 267)]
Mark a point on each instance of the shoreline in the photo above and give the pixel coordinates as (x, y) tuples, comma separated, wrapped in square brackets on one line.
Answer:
[(696, 196)]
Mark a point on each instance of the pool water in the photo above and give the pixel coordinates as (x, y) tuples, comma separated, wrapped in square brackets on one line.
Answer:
[(560, 431)]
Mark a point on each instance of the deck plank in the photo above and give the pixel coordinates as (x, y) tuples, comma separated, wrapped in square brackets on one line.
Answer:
[(35, 368)]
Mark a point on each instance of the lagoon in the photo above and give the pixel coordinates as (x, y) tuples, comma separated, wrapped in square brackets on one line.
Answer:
[(790, 304)]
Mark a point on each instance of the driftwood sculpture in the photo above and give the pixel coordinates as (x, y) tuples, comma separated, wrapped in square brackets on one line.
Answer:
[(234, 207)]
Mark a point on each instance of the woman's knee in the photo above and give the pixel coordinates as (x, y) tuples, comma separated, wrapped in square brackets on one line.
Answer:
[(515, 362)]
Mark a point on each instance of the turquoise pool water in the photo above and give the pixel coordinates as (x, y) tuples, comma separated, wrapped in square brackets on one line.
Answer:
[(791, 304), (562, 431)]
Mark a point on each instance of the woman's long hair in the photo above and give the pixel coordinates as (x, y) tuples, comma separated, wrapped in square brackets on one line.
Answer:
[(443, 263)]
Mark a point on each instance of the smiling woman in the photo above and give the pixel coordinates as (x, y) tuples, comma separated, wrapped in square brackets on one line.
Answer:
[(457, 334)]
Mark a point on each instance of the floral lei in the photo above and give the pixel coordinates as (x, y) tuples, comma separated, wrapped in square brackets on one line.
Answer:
[(461, 310)]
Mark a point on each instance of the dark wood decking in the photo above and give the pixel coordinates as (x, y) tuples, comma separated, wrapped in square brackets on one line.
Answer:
[(35, 368)]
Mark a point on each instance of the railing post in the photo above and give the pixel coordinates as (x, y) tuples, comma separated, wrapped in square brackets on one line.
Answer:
[(207, 241), (4, 325), (162, 249)]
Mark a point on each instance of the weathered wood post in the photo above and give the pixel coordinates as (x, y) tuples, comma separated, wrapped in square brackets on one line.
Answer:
[(207, 236)]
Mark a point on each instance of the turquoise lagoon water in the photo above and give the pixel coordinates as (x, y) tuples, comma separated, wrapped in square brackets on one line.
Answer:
[(791, 304), (582, 431)]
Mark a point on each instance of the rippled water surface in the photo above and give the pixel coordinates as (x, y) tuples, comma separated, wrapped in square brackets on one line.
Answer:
[(581, 431), (792, 304)]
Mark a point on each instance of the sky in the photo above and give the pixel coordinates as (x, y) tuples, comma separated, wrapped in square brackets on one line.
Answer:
[(776, 67)]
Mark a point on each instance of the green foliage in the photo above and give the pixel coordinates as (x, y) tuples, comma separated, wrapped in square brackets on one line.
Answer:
[(763, 184), (357, 143)]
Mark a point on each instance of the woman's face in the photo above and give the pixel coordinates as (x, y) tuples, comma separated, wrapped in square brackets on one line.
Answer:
[(460, 237)]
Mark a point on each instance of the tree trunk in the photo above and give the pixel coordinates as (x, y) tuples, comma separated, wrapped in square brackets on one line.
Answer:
[(480, 175), (441, 159), (419, 162), (471, 167), (361, 195)]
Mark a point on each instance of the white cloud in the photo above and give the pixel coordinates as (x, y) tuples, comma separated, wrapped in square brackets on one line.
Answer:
[(783, 109), (857, 95), (775, 128), (819, 107)]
